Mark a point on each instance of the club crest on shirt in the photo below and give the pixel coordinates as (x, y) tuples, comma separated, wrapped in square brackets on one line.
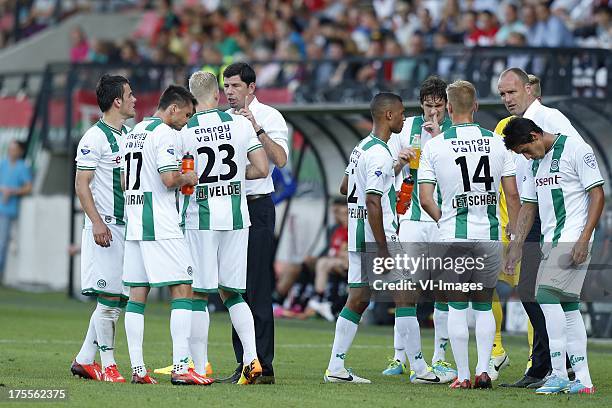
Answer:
[(590, 160), (378, 173), (554, 165)]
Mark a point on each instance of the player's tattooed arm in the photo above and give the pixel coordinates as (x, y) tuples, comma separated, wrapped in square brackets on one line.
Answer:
[(524, 222), (102, 234), (258, 166), (375, 219), (344, 185), (426, 192), (580, 251)]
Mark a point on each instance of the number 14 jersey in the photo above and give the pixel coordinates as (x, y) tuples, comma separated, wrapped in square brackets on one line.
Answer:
[(467, 163), (219, 142)]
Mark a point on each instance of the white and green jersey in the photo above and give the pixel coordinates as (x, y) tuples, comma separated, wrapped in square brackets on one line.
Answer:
[(149, 150), (100, 149), (219, 142), (467, 163), (559, 184), (413, 126), (370, 171)]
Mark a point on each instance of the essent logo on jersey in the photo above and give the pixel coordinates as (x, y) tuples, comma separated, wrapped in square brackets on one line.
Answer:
[(482, 145), (548, 181), (464, 201)]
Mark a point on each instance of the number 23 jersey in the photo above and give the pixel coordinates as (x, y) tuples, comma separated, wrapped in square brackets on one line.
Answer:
[(149, 150), (219, 142), (467, 163)]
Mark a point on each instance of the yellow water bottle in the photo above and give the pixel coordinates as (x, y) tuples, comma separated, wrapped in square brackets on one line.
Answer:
[(416, 147)]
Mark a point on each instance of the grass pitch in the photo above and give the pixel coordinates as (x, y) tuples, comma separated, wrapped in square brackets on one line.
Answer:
[(41, 334)]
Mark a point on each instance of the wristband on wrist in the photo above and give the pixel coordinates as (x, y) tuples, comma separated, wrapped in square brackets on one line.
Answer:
[(260, 132)]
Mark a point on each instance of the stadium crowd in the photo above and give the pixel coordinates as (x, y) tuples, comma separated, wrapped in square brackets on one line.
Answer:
[(211, 32)]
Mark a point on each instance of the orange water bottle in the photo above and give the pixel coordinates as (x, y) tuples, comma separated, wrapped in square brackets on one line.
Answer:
[(187, 164), (405, 194)]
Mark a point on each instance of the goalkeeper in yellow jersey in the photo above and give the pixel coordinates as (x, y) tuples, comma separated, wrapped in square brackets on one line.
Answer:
[(499, 358)]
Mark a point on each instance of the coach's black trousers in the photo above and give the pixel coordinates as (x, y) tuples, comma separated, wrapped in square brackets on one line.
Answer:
[(260, 281), (530, 261)]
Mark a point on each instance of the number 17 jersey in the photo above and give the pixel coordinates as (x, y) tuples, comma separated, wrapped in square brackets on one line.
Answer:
[(149, 151), (467, 163), (219, 142)]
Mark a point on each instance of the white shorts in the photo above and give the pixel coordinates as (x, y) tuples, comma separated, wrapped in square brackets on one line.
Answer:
[(165, 262), (102, 268), (476, 261), (557, 274), (220, 259), (417, 238), (418, 231), (361, 266)]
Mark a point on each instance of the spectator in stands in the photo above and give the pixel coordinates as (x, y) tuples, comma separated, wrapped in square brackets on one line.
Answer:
[(15, 182), (445, 63), (451, 21), (404, 22), (372, 71), (80, 47), (212, 59), (512, 24), (486, 31), (334, 262), (469, 21), (550, 30), (167, 20), (338, 70), (520, 60), (414, 69), (598, 34), (530, 21), (426, 28), (366, 30)]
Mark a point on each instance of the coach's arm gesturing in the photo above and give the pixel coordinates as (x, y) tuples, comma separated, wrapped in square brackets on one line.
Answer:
[(274, 151)]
